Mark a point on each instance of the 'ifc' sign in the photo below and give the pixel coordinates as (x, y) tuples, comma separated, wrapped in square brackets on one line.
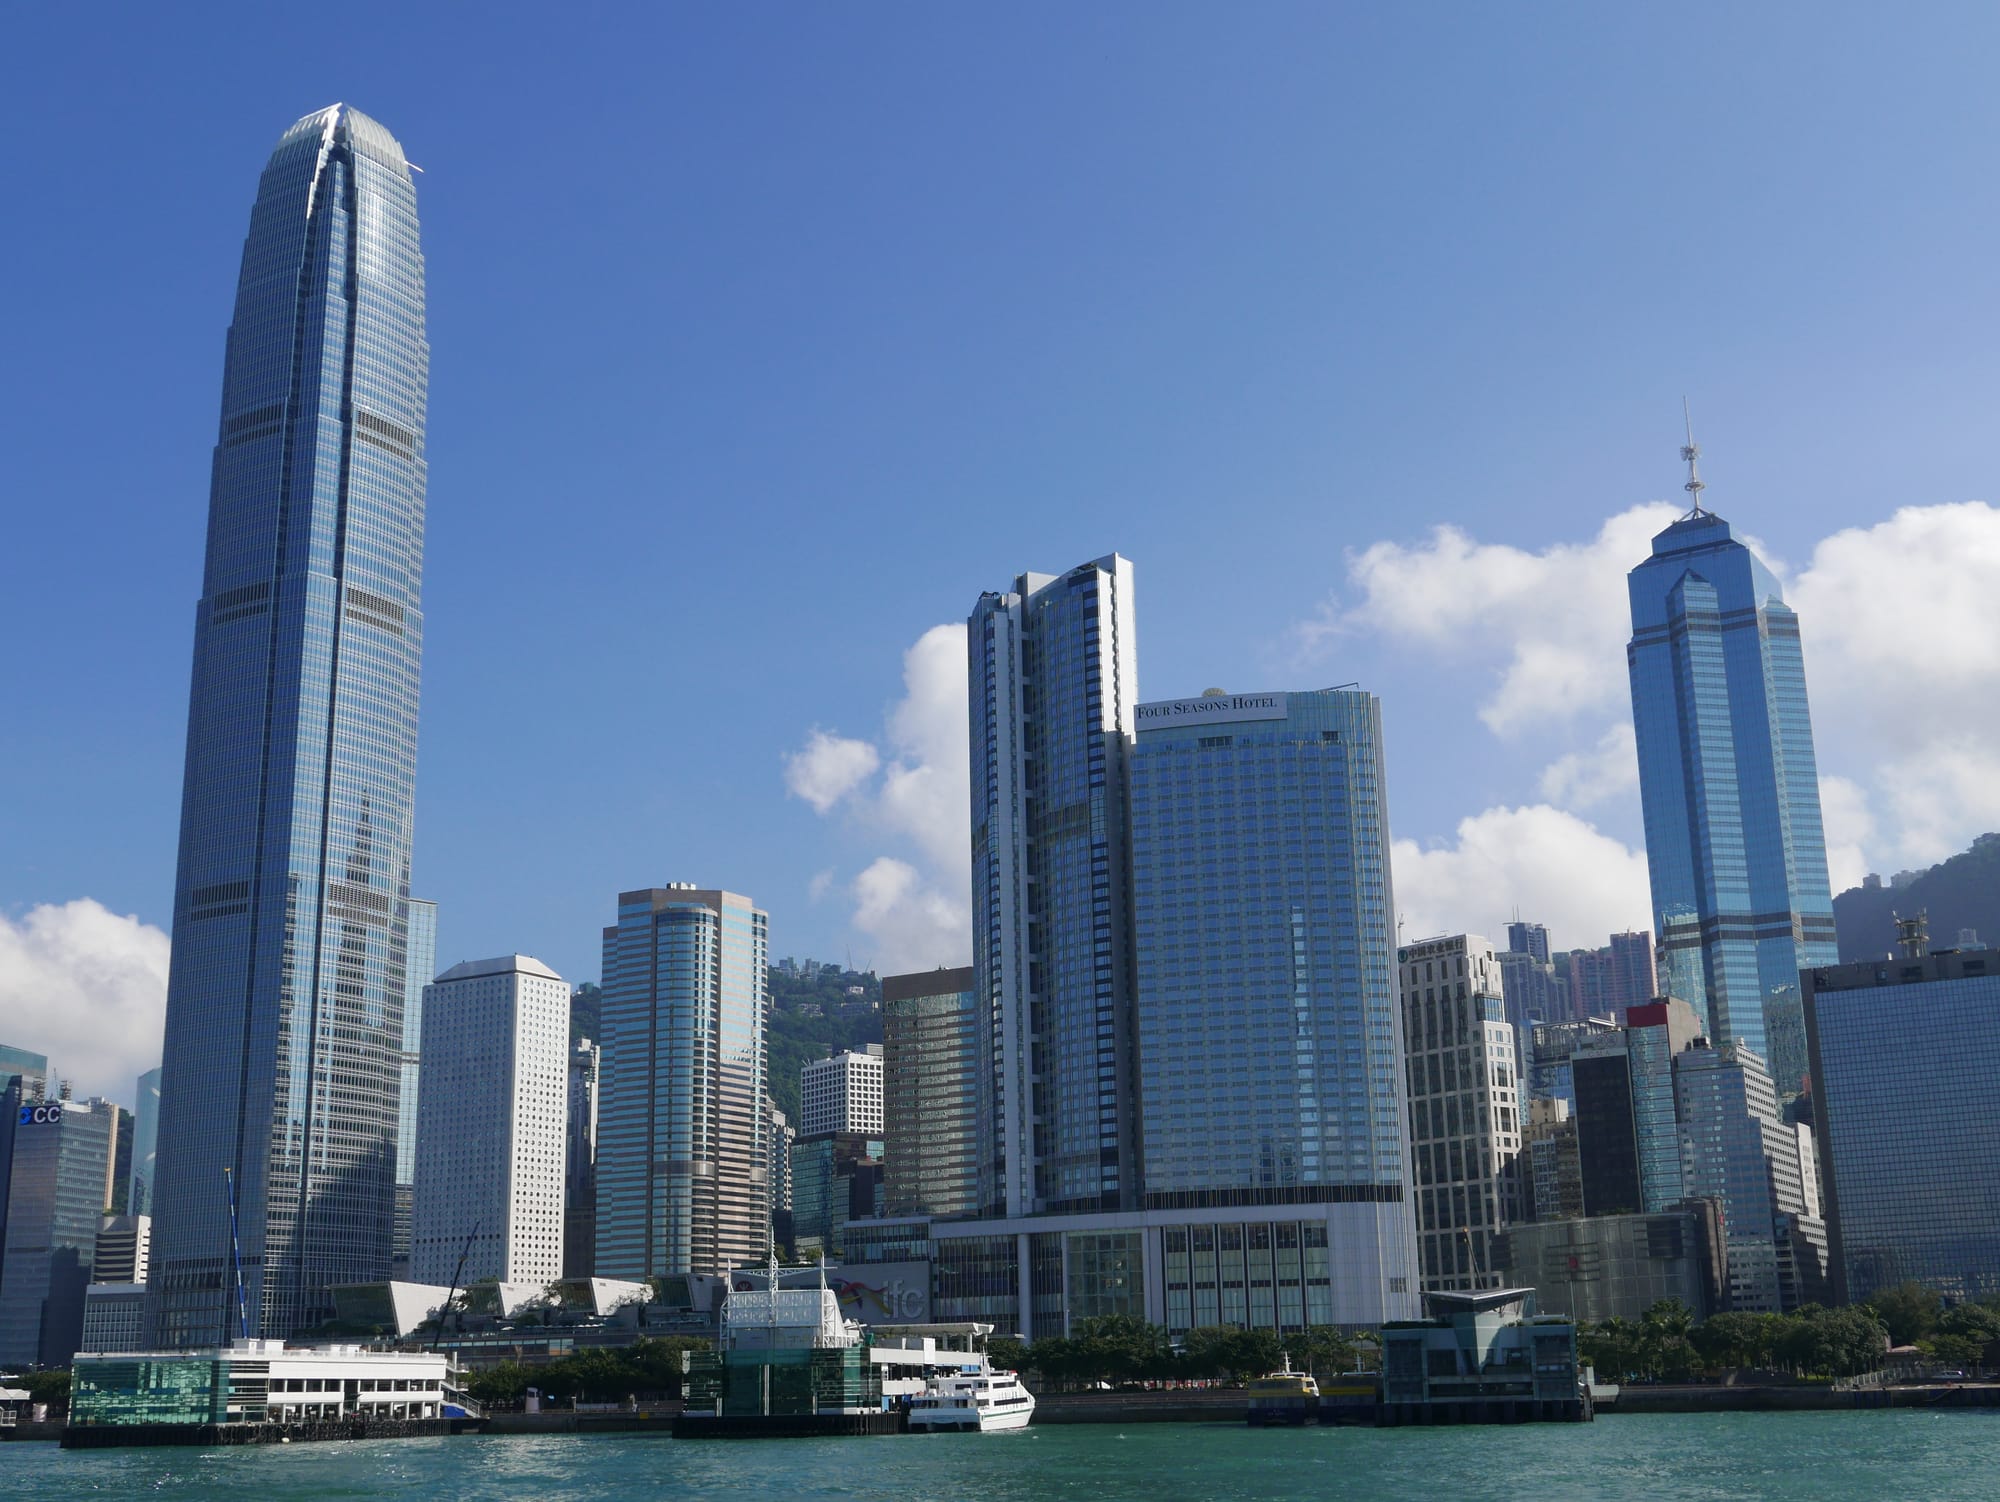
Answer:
[(40, 1115)]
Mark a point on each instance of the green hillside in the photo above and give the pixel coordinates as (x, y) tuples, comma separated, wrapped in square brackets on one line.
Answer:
[(1963, 892)]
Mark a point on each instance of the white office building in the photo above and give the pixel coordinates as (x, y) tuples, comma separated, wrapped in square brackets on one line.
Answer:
[(492, 1121), (1465, 1107), (842, 1094)]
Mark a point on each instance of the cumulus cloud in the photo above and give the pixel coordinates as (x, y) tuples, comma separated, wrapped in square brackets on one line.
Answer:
[(829, 767), (1550, 625), (1901, 628), (89, 989), (910, 789), (1546, 862), (1584, 779)]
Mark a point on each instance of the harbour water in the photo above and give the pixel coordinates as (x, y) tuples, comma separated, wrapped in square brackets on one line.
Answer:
[(1825, 1457)]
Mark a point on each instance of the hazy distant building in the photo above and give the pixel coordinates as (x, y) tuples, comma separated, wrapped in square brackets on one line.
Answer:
[(1054, 689), (493, 1115), (683, 1165), (57, 1189), (145, 1145), (1727, 776), (23, 1080), (1465, 1114), (1905, 1053), (931, 1058), (1530, 939), (842, 1093)]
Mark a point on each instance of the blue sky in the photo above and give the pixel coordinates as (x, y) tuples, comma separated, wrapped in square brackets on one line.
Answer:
[(764, 338)]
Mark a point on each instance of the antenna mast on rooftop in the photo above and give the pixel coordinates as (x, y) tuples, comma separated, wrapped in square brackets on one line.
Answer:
[(1691, 457)]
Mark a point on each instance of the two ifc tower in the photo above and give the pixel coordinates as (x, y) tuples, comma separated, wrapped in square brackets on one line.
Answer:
[(284, 1032)]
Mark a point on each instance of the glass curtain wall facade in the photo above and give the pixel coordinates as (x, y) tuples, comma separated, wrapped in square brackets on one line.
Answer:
[(145, 1145), (57, 1192), (1270, 1044), (683, 1151), (1904, 1056), (930, 1093), (1054, 682), (1727, 779), (419, 967), (284, 1032)]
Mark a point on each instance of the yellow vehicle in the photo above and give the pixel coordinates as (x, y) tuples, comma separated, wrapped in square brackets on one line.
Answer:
[(1283, 1397)]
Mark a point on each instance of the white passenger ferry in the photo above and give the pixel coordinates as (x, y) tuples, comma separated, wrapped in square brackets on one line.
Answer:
[(984, 1400)]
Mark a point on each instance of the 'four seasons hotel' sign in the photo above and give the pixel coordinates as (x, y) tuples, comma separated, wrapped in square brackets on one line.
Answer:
[(1222, 709)]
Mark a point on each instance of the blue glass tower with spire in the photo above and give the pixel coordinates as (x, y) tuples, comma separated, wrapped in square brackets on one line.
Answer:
[(1728, 780), (284, 1025)]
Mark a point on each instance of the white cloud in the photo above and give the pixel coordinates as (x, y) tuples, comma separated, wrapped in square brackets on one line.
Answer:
[(1584, 779), (916, 914), (828, 768), (89, 989), (1551, 625), (1551, 866), (1901, 628)]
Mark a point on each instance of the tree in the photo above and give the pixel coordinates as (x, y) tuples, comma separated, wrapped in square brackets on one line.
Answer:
[(1664, 1346), (1909, 1311), (1322, 1350), (51, 1388)]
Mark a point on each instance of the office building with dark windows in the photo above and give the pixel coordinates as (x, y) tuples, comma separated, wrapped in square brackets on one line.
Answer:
[(931, 1059), (1054, 684), (1465, 1107), (58, 1188), (284, 1026), (1727, 780), (683, 1134), (1904, 1055)]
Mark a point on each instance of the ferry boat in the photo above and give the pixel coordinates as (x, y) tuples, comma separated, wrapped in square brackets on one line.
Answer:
[(986, 1400), (1283, 1397)]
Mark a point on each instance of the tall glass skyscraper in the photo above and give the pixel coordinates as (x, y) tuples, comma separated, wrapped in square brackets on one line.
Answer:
[(1054, 682), (420, 965), (683, 1136), (1727, 779), (284, 1033)]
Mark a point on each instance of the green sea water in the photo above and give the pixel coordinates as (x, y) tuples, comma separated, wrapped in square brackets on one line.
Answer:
[(1825, 1457)]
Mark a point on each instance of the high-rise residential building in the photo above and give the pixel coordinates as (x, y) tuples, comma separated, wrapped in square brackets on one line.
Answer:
[(842, 1093), (580, 1172), (58, 1186), (683, 1165), (1605, 982), (145, 1145), (1736, 1151), (930, 1092), (493, 1116), (291, 902), (124, 1249), (1054, 684), (1270, 1044), (1904, 1055), (24, 1078), (419, 967), (1727, 777), (1465, 1110)]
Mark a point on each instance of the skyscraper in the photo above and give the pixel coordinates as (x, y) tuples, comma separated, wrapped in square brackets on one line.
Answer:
[(494, 1116), (580, 1159), (56, 1194), (1054, 683), (683, 1151), (930, 1093), (1726, 776), (842, 1093), (284, 1032)]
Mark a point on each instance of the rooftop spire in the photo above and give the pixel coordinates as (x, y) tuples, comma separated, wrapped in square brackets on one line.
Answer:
[(1691, 457)]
